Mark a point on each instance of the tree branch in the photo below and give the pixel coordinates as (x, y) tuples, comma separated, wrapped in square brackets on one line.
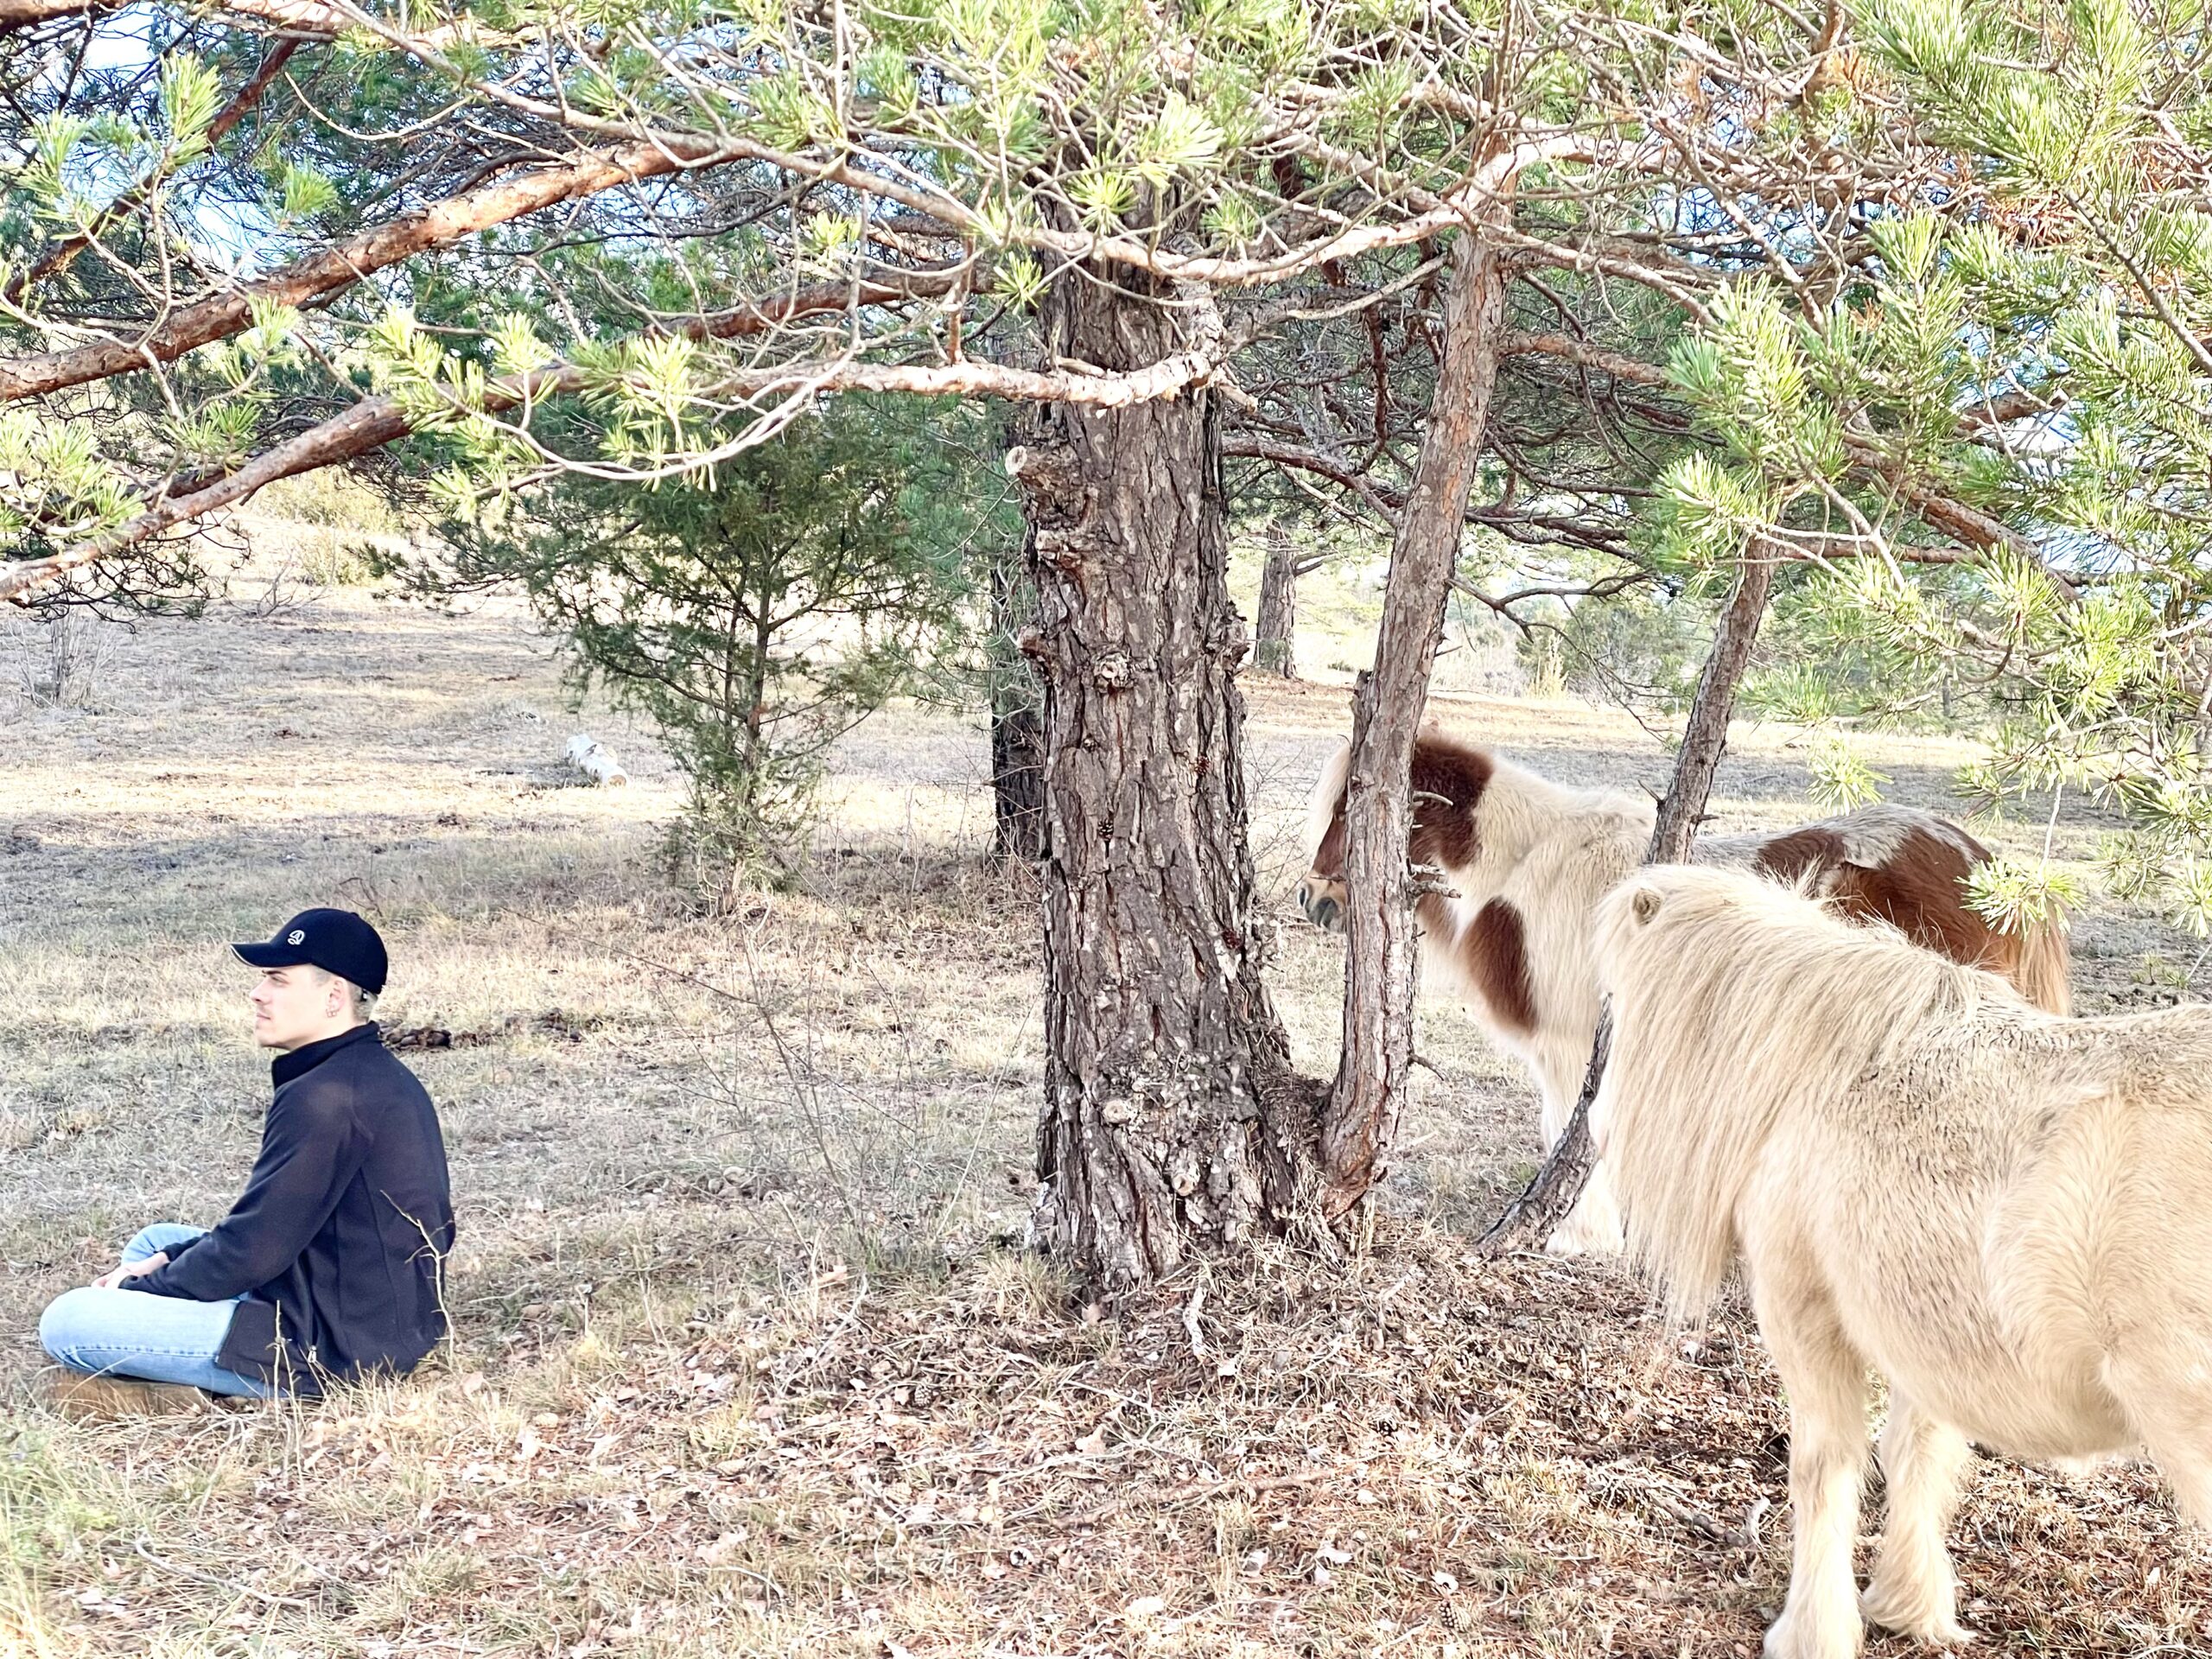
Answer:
[(324, 273), (299, 19), (1618, 365), (1382, 945), (376, 421), (57, 257)]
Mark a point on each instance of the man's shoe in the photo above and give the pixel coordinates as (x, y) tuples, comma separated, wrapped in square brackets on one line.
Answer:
[(81, 1399)]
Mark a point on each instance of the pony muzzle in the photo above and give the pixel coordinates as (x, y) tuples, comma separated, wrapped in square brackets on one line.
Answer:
[(1323, 902)]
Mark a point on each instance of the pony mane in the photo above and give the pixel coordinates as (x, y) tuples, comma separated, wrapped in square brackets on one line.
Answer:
[(1739, 1004), (1328, 799)]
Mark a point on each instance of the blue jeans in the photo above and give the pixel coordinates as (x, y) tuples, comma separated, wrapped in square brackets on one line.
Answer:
[(157, 1339)]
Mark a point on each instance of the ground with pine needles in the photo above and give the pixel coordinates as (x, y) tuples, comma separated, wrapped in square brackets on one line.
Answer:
[(747, 1360)]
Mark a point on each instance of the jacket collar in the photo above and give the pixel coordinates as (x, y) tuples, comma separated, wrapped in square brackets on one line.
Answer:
[(301, 1061)]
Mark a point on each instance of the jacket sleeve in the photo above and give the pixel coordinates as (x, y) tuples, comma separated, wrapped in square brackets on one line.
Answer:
[(309, 1150)]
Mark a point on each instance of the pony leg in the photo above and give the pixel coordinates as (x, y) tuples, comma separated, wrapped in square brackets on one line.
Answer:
[(1593, 1226), (2188, 1470), (1827, 1384), (1914, 1591), (2163, 1395)]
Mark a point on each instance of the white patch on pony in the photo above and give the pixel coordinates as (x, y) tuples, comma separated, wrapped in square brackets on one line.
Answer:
[(1874, 834), (1549, 852)]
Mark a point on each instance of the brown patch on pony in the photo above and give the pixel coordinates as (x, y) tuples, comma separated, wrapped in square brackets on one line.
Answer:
[(1495, 951), (1920, 891), (1328, 856), (1788, 857), (1444, 832), (1444, 828)]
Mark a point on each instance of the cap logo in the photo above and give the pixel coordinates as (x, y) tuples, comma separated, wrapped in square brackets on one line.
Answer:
[(295, 936)]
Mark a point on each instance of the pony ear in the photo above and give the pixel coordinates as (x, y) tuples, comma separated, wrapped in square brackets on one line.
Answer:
[(1645, 903)]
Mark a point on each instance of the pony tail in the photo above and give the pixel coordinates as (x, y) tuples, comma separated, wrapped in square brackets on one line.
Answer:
[(2043, 972)]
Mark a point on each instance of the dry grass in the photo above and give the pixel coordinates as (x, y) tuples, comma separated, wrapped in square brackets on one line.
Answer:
[(744, 1363)]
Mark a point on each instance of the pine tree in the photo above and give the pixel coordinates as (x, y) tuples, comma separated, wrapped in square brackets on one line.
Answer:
[(1869, 305)]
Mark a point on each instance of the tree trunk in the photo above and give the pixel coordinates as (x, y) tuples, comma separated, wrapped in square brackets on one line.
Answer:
[(1277, 650), (1705, 735), (1159, 1129), (1547, 1200), (1383, 946), (1017, 721)]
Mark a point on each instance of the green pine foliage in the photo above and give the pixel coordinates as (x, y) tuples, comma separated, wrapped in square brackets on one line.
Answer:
[(758, 610), (2037, 358)]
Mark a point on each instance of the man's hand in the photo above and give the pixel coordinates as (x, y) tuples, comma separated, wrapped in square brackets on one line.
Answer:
[(113, 1280)]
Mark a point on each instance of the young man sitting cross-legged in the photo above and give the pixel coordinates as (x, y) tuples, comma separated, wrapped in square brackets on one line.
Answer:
[(328, 1265)]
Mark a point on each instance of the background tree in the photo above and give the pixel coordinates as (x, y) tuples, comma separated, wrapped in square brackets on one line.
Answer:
[(758, 611), (1274, 635), (1014, 701)]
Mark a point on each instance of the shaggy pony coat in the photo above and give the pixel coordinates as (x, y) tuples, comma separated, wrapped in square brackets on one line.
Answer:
[(2006, 1213), (1525, 862)]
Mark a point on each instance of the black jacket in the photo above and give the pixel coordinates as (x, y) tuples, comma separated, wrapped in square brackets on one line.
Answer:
[(338, 1238)]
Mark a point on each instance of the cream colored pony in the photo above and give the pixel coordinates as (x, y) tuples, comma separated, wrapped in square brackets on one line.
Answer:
[(2006, 1213)]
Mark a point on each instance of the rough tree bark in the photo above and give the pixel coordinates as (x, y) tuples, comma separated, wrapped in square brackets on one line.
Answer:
[(1551, 1195), (1275, 649), (1171, 1117), (1017, 722), (1018, 782), (1382, 947), (1160, 1129)]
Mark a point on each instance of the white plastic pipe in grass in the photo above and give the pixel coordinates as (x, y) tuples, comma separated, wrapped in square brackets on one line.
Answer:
[(597, 761)]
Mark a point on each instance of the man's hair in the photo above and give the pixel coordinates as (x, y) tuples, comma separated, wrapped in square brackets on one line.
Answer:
[(364, 1002)]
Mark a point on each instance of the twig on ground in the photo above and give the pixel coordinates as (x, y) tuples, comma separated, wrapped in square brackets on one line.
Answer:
[(209, 1579), (1744, 1537)]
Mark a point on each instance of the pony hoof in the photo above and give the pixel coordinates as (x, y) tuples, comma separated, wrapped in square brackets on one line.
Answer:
[(1909, 1615), (1573, 1240), (1799, 1634)]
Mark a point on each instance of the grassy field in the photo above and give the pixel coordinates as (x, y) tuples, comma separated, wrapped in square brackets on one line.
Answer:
[(744, 1360)]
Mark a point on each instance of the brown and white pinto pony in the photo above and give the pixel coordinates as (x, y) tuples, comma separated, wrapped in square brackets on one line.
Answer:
[(1526, 861)]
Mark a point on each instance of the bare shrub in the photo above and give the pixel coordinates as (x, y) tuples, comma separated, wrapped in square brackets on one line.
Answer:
[(327, 559), (324, 528), (79, 648), (284, 590)]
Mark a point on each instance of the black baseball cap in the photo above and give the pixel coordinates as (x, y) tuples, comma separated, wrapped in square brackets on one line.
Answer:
[(336, 941)]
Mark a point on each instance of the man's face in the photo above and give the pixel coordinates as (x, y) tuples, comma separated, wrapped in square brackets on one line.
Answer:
[(293, 1006)]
